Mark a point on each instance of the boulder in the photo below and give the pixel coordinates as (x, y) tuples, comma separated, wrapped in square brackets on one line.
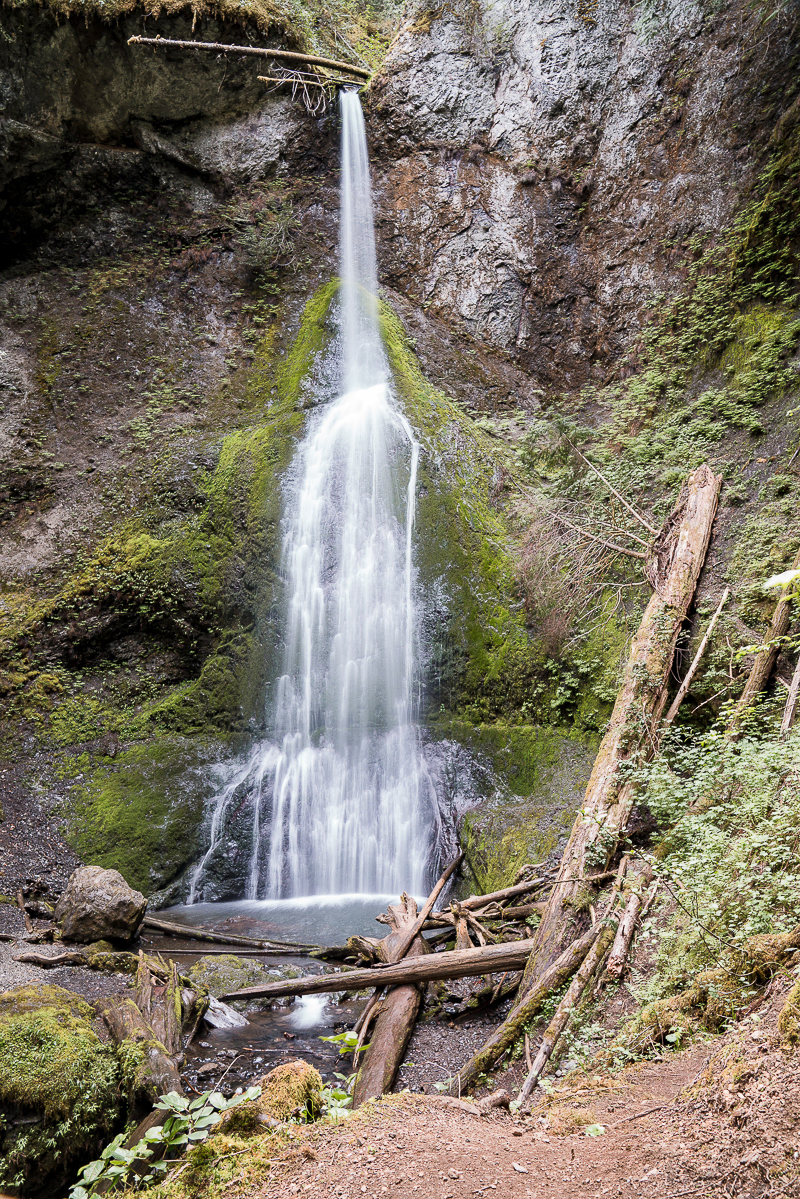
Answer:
[(99, 904), (60, 1088)]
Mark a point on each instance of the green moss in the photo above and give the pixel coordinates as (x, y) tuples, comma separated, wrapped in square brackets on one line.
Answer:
[(57, 1076), (538, 776), (143, 815), (286, 1091)]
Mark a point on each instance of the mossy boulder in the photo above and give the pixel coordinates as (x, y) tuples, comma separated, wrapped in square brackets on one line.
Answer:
[(226, 973), (60, 1087), (286, 1091)]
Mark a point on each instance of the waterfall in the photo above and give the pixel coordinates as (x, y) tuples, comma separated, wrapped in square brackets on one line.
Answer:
[(342, 780)]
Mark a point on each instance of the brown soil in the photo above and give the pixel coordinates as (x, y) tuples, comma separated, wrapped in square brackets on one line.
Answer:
[(717, 1119)]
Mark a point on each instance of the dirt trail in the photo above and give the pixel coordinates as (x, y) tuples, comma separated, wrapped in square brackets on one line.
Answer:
[(726, 1124)]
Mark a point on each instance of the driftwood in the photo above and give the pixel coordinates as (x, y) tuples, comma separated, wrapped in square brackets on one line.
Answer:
[(207, 934), (687, 682), (513, 1026), (566, 1007), (399, 1009), (25, 916), (624, 934), (762, 668), (403, 944), (259, 51), (677, 559), (510, 955)]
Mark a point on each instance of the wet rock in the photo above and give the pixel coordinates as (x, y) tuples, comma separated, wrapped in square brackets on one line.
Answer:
[(98, 904), (221, 1015)]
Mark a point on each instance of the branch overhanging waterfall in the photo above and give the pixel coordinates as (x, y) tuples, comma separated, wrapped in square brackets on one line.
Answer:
[(342, 783)]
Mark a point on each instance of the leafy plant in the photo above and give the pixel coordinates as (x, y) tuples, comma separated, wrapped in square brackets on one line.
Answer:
[(189, 1122)]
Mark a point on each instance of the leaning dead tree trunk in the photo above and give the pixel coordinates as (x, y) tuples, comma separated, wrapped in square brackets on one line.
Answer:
[(762, 668), (398, 1011), (675, 565), (513, 1026), (790, 710), (566, 1007)]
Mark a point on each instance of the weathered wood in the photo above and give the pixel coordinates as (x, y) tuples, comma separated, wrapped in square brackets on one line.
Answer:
[(490, 959), (52, 963), (480, 901), (413, 930), (25, 916), (690, 673), (565, 1008), (400, 1007), (678, 557), (208, 934), (790, 710), (259, 51), (762, 668), (158, 1073), (513, 1026), (624, 934)]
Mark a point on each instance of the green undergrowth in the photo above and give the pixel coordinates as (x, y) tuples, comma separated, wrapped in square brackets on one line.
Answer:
[(729, 866)]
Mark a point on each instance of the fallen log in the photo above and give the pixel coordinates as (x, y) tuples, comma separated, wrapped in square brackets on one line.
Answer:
[(566, 1007), (514, 1024), (259, 51), (489, 959), (624, 934), (192, 933), (762, 668), (480, 901), (674, 567), (400, 1007)]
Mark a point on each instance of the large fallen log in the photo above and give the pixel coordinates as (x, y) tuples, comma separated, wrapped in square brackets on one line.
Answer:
[(400, 1008), (677, 559), (513, 1026), (455, 963)]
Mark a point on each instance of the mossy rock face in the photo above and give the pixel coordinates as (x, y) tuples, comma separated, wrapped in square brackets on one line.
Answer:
[(59, 1087), (286, 1091), (539, 776), (144, 814)]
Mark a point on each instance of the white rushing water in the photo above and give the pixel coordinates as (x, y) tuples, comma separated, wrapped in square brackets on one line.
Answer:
[(341, 788)]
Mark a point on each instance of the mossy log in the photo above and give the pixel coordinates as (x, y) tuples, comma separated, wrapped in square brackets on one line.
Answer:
[(489, 959), (192, 933), (762, 668), (514, 1024), (399, 1009), (674, 568), (155, 1072)]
